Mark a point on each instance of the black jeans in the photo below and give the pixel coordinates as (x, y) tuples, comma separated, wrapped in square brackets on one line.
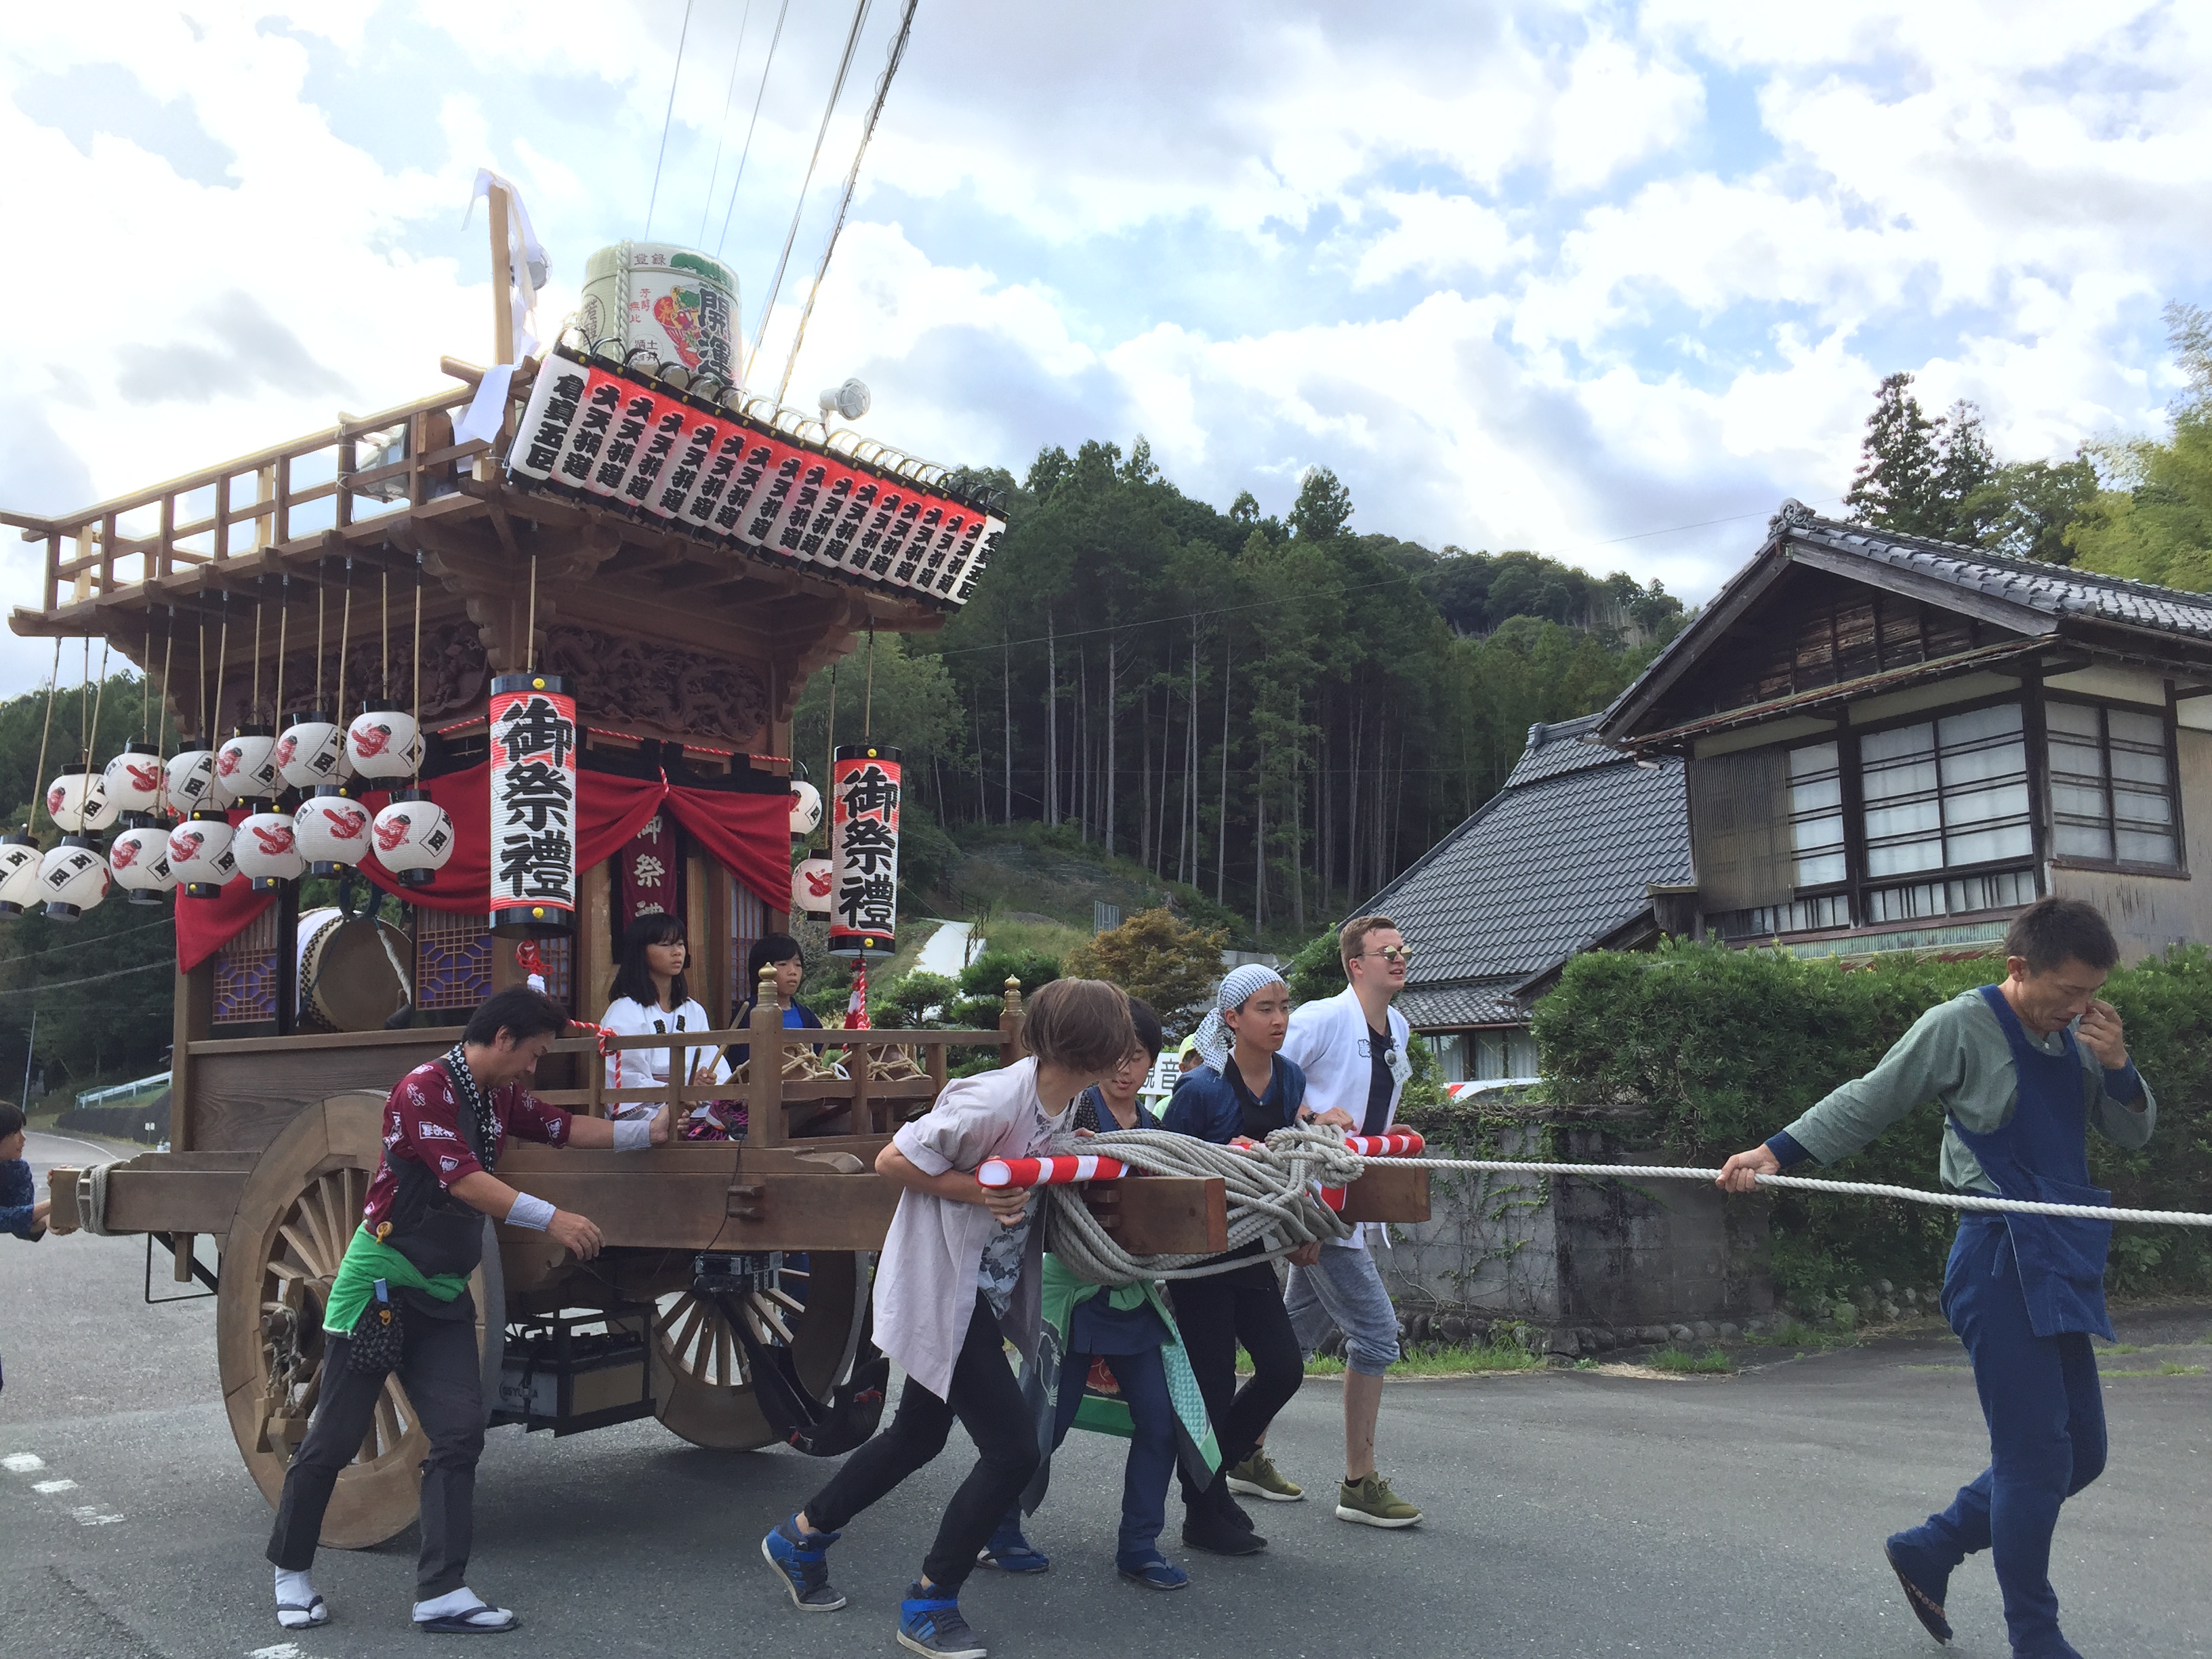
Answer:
[(988, 1401), (1214, 1315), (442, 1372)]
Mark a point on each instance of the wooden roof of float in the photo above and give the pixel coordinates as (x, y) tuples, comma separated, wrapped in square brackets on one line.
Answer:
[(156, 564)]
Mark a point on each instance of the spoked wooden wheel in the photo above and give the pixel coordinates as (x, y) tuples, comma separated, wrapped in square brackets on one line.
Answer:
[(701, 1386), (299, 1207)]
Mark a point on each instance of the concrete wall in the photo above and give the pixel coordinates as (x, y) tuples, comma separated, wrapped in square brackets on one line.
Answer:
[(1583, 1252)]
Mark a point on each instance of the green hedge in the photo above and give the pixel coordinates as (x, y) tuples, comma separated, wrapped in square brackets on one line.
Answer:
[(1725, 1047)]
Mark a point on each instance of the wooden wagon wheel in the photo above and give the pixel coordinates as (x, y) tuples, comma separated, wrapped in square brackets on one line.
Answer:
[(701, 1387), (300, 1205)]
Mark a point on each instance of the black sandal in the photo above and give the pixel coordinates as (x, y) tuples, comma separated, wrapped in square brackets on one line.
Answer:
[(1928, 1610)]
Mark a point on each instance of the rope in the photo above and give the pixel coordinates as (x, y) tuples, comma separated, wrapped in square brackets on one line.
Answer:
[(722, 128), (845, 199), (1271, 1199), (749, 125), (667, 120)]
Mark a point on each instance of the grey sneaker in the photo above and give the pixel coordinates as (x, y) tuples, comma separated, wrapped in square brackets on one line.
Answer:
[(1372, 1504)]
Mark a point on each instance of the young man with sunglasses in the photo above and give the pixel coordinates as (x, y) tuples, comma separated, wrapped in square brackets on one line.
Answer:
[(1351, 1048)]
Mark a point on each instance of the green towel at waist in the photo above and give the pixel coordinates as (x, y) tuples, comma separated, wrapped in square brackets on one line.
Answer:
[(367, 1260)]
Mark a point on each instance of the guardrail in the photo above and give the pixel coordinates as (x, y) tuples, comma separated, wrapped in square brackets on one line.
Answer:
[(93, 1097)]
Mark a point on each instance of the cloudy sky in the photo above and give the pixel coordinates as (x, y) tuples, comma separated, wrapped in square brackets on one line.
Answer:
[(1604, 280)]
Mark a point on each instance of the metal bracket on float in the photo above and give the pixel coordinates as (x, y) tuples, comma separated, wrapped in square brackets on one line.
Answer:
[(192, 1262)]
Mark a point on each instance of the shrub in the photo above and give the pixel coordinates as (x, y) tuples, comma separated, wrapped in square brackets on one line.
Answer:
[(904, 1002), (1317, 970), (1155, 955), (1725, 1047)]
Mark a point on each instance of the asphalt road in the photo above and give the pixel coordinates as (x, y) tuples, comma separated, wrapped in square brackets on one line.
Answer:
[(1568, 1515)]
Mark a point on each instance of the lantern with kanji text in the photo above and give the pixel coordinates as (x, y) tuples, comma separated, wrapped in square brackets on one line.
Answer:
[(533, 805), (199, 853), (414, 837), (864, 828)]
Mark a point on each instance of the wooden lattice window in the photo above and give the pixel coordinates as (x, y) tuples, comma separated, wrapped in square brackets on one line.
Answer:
[(245, 974), (453, 960)]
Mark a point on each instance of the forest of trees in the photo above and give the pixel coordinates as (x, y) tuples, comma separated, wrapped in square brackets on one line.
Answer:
[(1279, 713)]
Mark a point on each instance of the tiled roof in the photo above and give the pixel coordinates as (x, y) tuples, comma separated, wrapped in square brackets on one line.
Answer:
[(2055, 590), (1556, 860)]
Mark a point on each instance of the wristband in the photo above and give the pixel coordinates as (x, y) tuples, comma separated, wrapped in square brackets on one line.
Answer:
[(534, 1213), (634, 1134)]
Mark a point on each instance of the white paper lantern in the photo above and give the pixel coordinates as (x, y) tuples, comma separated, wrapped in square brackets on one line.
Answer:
[(199, 853), (332, 831), (18, 874), (133, 779), (191, 782), (805, 808), (312, 752), (266, 849), (414, 837), (77, 802), (811, 883), (384, 743), (138, 861), (73, 876), (246, 766)]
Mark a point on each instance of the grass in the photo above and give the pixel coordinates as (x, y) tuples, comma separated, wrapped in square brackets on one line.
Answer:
[(1444, 1361), (1054, 938), (1710, 1363), (1802, 1337), (2167, 1368), (2125, 1347)]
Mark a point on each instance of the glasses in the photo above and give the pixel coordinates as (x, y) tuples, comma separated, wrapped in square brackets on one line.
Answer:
[(1392, 953)]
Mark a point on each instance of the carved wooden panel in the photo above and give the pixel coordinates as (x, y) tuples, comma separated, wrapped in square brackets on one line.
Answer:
[(687, 693)]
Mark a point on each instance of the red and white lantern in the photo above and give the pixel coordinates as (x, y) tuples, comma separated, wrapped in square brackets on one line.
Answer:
[(199, 853), (190, 784), (245, 766), (77, 802), (138, 862), (73, 876), (533, 805), (805, 809), (266, 848), (133, 779), (414, 837), (312, 751), (18, 874), (332, 831), (864, 829), (811, 883), (384, 743)]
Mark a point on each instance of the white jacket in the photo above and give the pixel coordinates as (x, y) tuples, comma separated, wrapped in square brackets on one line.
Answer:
[(647, 1068), (1328, 1040)]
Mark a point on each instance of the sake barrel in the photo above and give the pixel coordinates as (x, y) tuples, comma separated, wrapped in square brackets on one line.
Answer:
[(679, 305)]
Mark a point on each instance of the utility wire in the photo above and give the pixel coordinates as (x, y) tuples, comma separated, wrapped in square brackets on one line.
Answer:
[(844, 68), (749, 125), (70, 984), (845, 199), (722, 128), (75, 947), (667, 120)]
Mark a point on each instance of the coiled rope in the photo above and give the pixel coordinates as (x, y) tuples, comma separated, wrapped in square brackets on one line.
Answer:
[(1273, 1201)]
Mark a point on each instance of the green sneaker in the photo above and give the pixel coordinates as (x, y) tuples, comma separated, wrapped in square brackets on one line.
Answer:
[(1372, 1504), (1258, 1477)]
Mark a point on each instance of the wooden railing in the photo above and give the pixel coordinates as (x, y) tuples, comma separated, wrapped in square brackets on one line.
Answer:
[(274, 498)]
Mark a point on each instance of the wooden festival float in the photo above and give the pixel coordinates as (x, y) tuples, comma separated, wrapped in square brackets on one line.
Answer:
[(528, 687)]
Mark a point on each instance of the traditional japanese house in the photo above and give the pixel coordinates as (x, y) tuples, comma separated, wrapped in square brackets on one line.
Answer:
[(1896, 743)]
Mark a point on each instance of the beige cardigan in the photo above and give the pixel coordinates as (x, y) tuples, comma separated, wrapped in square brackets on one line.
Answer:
[(925, 1281)]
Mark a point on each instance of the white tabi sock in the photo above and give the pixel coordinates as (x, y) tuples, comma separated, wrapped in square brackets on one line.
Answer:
[(294, 1589), (460, 1602)]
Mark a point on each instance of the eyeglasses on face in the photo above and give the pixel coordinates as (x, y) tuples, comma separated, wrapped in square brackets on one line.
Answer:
[(1392, 953)]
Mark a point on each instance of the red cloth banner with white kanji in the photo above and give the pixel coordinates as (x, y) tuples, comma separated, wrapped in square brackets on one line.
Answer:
[(645, 872)]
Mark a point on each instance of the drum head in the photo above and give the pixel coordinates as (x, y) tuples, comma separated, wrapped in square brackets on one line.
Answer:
[(347, 980)]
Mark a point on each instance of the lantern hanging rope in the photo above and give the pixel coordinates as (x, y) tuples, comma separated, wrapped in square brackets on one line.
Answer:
[(868, 693), (84, 706), (830, 745), (530, 632), (345, 635), (284, 620), (199, 673), (322, 610), (145, 703), (384, 640), (99, 701), (38, 781), (168, 658), (221, 658), (417, 709), (253, 712)]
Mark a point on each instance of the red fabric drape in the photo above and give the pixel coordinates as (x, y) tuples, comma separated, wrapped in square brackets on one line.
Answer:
[(748, 835)]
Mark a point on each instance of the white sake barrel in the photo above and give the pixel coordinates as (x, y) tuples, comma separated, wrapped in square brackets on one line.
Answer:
[(680, 305)]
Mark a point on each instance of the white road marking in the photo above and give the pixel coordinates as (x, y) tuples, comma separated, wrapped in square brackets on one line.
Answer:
[(22, 1462), (53, 1485), (91, 1515), (282, 1650)]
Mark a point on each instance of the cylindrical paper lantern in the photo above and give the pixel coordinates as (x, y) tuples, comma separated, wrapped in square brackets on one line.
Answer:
[(138, 861), (311, 752), (133, 779), (863, 830), (191, 782), (805, 808), (414, 837), (533, 805), (384, 743), (73, 876), (331, 830), (811, 880), (77, 802), (199, 853), (18, 874), (267, 850), (245, 765)]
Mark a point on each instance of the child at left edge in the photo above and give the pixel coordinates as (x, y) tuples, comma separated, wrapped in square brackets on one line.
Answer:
[(959, 1277), (22, 1212)]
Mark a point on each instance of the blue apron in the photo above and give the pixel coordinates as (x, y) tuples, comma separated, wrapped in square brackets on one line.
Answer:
[(2041, 1154)]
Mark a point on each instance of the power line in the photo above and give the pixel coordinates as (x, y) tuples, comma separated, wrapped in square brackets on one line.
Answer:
[(1351, 587), (722, 128), (844, 68), (667, 120), (70, 984), (741, 178), (33, 955), (845, 199)]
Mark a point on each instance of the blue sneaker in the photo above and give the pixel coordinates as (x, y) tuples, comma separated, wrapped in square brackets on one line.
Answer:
[(801, 1560), (1010, 1551), (930, 1623), (1154, 1571)]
